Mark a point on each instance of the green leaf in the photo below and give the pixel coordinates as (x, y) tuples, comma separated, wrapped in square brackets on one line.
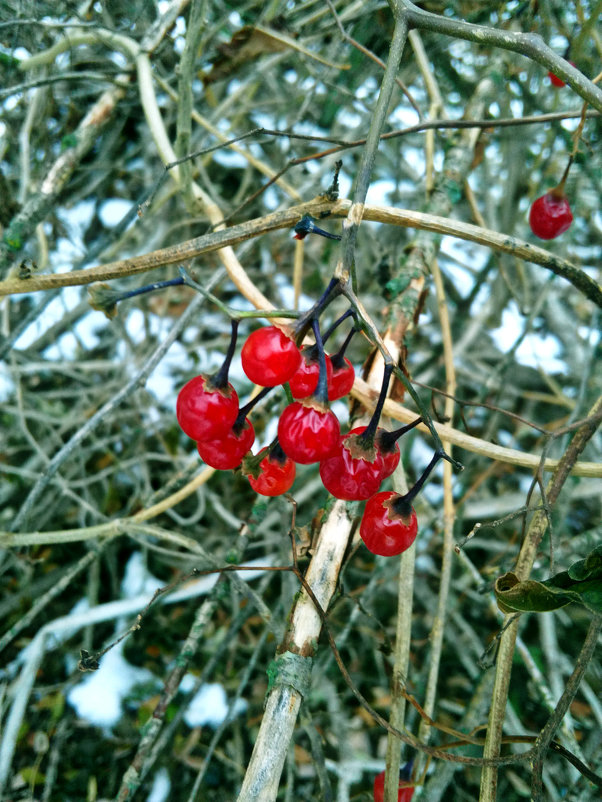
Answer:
[(530, 596), (589, 568), (582, 583)]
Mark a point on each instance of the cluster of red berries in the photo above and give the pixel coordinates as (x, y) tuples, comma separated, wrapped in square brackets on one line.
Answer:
[(352, 465)]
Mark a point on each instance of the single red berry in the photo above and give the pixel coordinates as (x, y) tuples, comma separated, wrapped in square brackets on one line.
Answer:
[(555, 80), (269, 357), (354, 471), (305, 379), (383, 529), (404, 795), (205, 412), (343, 376), (308, 432), (550, 215), (276, 473), (226, 453)]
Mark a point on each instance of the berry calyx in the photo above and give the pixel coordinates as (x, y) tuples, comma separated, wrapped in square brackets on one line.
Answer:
[(389, 525), (226, 453), (405, 793), (550, 215), (353, 472), (269, 357), (205, 411), (271, 472), (308, 431), (305, 379)]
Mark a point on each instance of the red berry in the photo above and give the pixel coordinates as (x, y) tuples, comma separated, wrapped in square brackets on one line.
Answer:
[(550, 215), (385, 531), (226, 453), (343, 376), (269, 357), (404, 795), (353, 472), (555, 80), (305, 379), (205, 412), (276, 475), (307, 432)]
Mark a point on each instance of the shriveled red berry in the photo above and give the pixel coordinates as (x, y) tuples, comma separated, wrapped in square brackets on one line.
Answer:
[(305, 379), (404, 794), (269, 357), (353, 472), (276, 474), (205, 412), (226, 453), (385, 531), (308, 432), (343, 376), (550, 215)]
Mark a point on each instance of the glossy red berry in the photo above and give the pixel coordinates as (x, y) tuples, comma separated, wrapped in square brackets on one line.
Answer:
[(384, 530), (205, 412), (269, 357), (276, 474), (550, 215), (353, 472), (308, 432), (404, 795), (343, 376), (305, 379), (226, 453)]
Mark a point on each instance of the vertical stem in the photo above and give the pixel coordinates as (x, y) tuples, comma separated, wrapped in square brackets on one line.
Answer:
[(438, 627), (526, 558), (187, 65), (350, 225)]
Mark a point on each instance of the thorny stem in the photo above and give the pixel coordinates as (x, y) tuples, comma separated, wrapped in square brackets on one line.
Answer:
[(220, 379)]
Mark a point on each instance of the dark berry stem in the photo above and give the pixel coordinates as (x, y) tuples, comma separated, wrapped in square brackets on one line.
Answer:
[(307, 226), (338, 359), (157, 285), (305, 322), (403, 504), (321, 391), (387, 440), (220, 379), (244, 411), (367, 436), (276, 453)]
